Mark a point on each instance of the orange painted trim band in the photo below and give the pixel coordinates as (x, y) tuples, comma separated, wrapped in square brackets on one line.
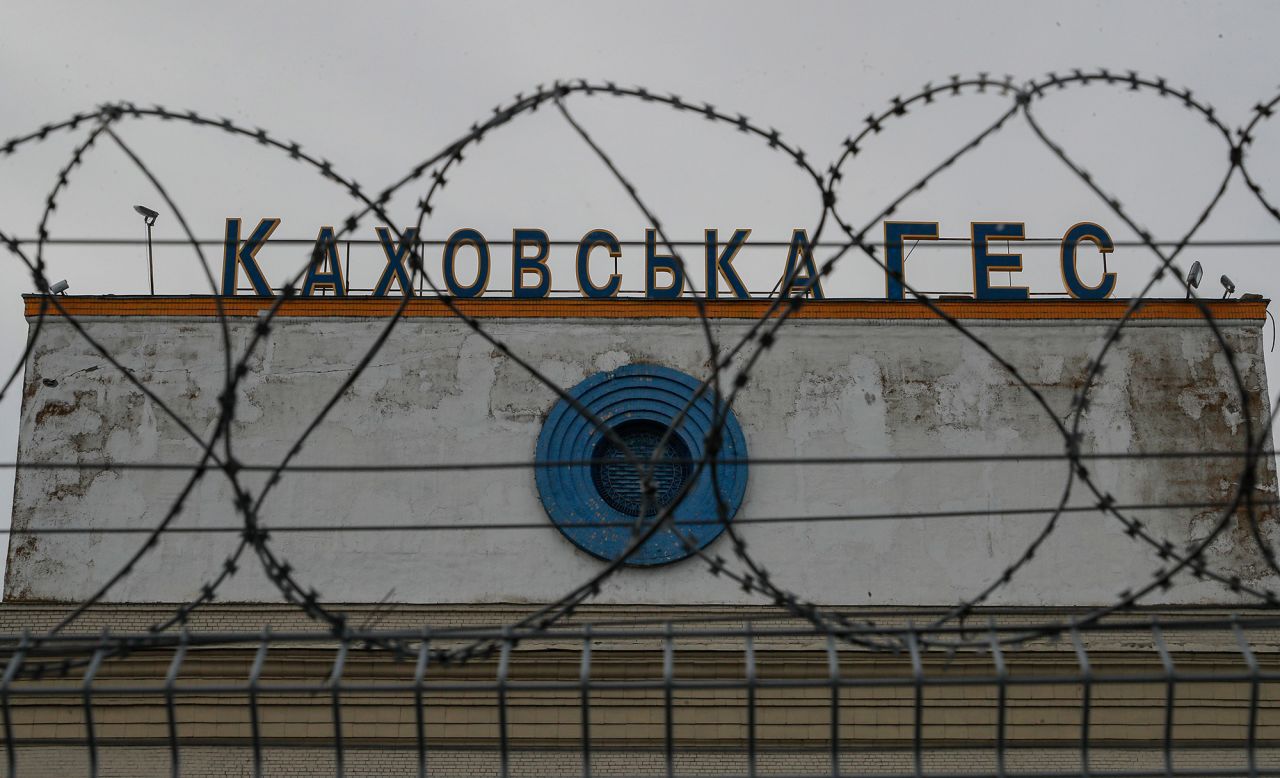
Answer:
[(574, 308)]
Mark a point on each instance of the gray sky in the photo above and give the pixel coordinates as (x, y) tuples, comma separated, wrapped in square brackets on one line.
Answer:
[(377, 87)]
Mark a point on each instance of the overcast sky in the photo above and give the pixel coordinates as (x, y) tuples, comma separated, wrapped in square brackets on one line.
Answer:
[(378, 87)]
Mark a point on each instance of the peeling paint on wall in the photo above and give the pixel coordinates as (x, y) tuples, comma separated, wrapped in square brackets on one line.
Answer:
[(437, 393)]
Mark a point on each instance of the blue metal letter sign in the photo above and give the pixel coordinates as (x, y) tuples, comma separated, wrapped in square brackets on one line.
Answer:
[(665, 274)]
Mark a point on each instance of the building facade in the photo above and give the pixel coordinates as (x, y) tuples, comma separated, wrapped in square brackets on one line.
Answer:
[(879, 465)]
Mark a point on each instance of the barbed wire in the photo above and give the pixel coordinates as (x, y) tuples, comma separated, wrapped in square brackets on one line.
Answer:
[(731, 367)]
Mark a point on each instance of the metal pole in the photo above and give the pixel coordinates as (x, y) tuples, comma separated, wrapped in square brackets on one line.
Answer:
[(151, 266)]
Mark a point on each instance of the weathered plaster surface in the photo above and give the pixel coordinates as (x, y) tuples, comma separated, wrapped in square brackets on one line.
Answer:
[(438, 393)]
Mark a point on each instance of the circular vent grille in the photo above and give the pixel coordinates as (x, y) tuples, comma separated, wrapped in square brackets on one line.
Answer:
[(618, 481), (596, 505)]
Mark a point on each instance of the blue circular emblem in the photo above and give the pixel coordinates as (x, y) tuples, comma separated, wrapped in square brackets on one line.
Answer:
[(597, 505)]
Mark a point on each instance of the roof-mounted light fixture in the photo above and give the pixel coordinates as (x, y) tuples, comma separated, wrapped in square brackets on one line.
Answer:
[(1193, 277), (149, 216)]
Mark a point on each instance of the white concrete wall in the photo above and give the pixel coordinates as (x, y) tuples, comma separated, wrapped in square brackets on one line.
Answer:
[(438, 393)]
